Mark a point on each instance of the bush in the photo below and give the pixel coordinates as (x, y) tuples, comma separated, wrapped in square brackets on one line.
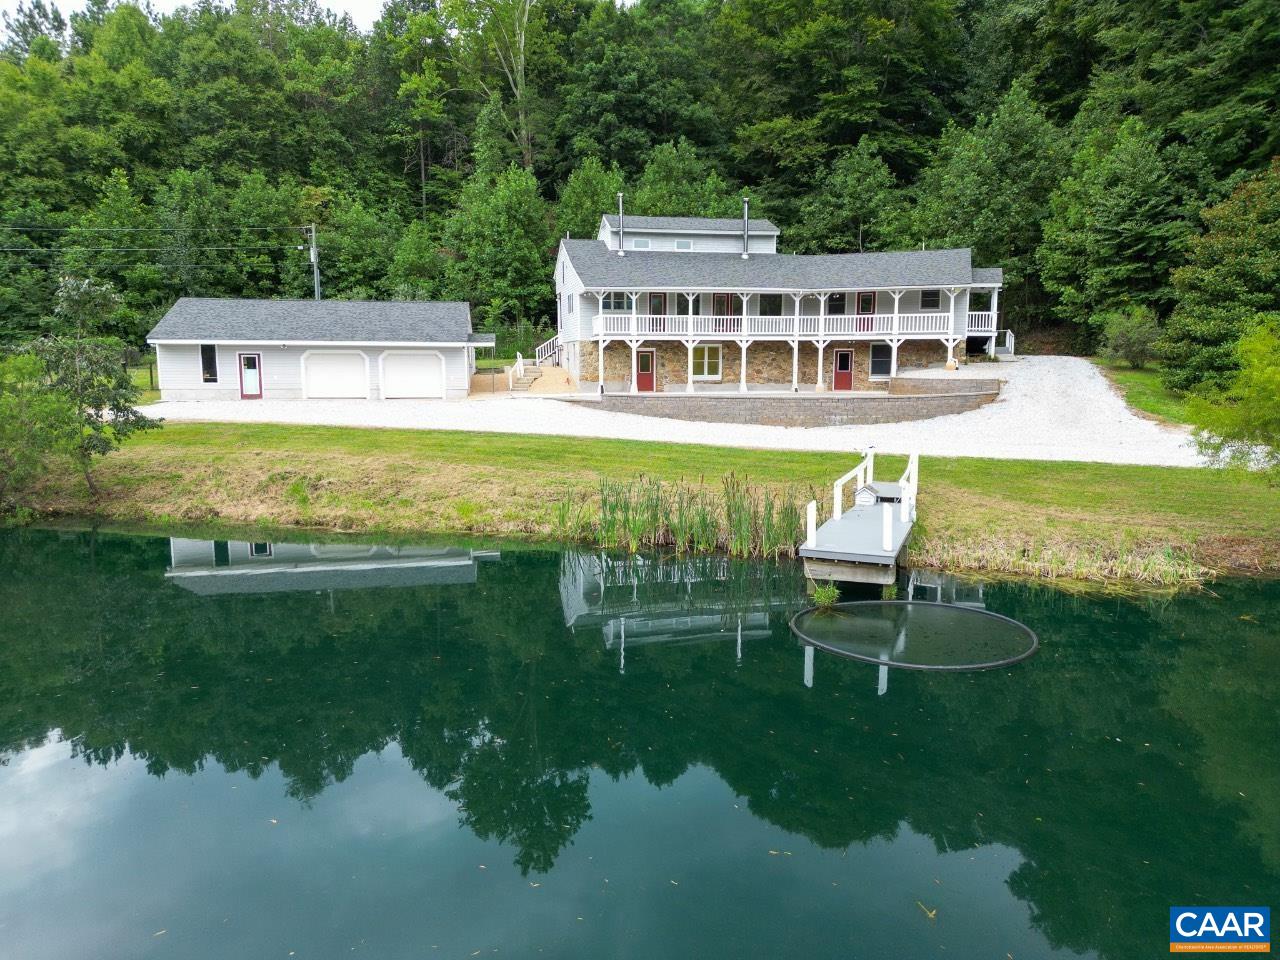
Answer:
[(35, 423), (1129, 334), (1241, 424)]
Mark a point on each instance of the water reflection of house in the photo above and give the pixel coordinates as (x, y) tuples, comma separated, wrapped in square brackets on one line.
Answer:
[(938, 587), (638, 600), (217, 567)]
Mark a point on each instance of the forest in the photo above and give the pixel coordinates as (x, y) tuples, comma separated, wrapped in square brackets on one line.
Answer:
[(1114, 156)]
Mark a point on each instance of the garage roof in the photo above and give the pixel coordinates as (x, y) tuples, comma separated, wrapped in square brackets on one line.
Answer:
[(212, 320)]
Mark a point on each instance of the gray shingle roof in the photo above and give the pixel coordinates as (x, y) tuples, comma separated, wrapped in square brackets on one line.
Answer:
[(988, 275), (692, 224), (345, 321), (599, 267)]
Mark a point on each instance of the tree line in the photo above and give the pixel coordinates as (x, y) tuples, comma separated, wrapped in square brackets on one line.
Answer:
[(1101, 152)]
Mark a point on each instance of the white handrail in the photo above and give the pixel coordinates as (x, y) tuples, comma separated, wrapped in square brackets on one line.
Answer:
[(515, 370), (547, 349), (864, 472)]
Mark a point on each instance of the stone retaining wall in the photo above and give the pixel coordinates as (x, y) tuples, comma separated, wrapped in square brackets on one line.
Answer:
[(806, 410)]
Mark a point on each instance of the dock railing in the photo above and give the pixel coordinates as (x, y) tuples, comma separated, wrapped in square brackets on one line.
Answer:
[(862, 474)]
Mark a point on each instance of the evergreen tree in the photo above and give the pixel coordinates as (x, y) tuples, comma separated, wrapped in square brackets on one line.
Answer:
[(988, 188), (1115, 228), (676, 182), (853, 207), (1232, 273), (590, 192), (499, 241)]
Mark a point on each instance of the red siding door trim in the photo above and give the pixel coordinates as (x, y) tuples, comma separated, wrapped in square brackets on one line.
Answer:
[(256, 368)]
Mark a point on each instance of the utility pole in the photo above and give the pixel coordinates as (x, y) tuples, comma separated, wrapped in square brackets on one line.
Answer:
[(315, 259)]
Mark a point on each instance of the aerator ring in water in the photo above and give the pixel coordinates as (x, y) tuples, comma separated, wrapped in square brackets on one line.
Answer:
[(916, 634)]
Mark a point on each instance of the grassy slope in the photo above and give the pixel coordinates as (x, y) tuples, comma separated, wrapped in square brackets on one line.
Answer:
[(142, 378), (1143, 390), (1089, 520)]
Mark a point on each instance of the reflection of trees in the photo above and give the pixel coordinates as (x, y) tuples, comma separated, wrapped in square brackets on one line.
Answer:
[(492, 700)]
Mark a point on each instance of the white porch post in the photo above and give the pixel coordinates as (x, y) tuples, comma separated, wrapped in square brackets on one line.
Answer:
[(897, 296), (633, 344), (689, 346), (689, 298), (742, 321), (635, 297), (822, 346), (822, 317), (742, 369), (995, 318), (600, 331), (795, 366), (893, 356), (951, 312)]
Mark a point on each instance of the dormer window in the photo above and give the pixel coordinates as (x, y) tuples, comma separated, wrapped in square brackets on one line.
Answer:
[(640, 243), (684, 244)]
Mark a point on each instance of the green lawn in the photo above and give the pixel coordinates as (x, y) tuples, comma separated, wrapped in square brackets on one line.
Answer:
[(143, 377), (1143, 390), (1086, 520)]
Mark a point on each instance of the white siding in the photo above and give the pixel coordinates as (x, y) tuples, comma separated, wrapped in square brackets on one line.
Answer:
[(179, 373), (710, 242), (568, 283)]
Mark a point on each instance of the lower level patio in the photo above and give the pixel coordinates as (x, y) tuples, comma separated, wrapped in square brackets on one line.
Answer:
[(736, 366)]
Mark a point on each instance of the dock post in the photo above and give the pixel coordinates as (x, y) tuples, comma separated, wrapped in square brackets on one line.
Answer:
[(811, 524), (886, 533)]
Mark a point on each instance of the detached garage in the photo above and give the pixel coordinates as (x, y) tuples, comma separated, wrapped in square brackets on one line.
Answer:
[(212, 349)]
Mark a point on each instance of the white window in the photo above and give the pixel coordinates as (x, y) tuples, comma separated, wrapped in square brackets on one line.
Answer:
[(640, 243), (684, 244), (568, 304), (616, 301), (259, 549), (706, 362), (930, 299)]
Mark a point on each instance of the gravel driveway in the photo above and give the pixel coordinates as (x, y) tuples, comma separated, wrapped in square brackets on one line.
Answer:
[(1052, 408)]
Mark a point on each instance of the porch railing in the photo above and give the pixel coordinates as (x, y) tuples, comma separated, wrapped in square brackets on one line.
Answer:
[(756, 325), (981, 321)]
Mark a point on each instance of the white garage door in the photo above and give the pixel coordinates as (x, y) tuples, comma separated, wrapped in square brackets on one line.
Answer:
[(412, 374), (333, 374)]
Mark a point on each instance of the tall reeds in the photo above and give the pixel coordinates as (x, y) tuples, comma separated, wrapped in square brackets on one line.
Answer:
[(740, 519)]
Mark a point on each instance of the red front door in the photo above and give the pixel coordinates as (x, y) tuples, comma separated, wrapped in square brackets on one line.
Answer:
[(644, 371), (842, 374)]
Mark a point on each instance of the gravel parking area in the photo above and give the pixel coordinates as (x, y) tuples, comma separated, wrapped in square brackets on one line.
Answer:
[(1052, 408)]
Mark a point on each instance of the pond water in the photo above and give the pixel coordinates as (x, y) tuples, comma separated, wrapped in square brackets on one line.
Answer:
[(214, 750)]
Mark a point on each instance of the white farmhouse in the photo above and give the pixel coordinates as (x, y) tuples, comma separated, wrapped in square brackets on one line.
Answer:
[(694, 304)]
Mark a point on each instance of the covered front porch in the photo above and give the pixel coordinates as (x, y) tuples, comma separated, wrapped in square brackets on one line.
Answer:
[(639, 366)]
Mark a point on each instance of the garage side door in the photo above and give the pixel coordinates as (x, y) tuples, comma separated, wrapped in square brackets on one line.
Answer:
[(335, 375), (412, 374)]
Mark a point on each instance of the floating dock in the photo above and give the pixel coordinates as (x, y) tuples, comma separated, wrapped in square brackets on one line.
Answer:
[(863, 543)]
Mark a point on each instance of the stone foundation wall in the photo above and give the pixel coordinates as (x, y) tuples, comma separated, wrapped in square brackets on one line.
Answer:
[(768, 362), (904, 386)]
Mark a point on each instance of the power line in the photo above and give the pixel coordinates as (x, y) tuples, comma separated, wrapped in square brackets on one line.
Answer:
[(64, 250), (144, 229)]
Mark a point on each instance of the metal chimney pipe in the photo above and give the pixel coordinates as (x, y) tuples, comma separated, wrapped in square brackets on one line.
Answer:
[(622, 229), (746, 220)]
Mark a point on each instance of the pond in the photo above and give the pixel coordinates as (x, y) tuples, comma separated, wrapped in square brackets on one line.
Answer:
[(215, 749)]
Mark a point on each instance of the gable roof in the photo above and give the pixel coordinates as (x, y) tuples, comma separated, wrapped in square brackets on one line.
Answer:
[(988, 275), (691, 224), (599, 267), (214, 320)]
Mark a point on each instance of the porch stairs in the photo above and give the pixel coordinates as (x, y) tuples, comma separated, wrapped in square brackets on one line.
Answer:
[(522, 382), (862, 544)]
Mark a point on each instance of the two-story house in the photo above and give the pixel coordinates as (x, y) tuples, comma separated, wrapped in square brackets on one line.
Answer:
[(695, 304)]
